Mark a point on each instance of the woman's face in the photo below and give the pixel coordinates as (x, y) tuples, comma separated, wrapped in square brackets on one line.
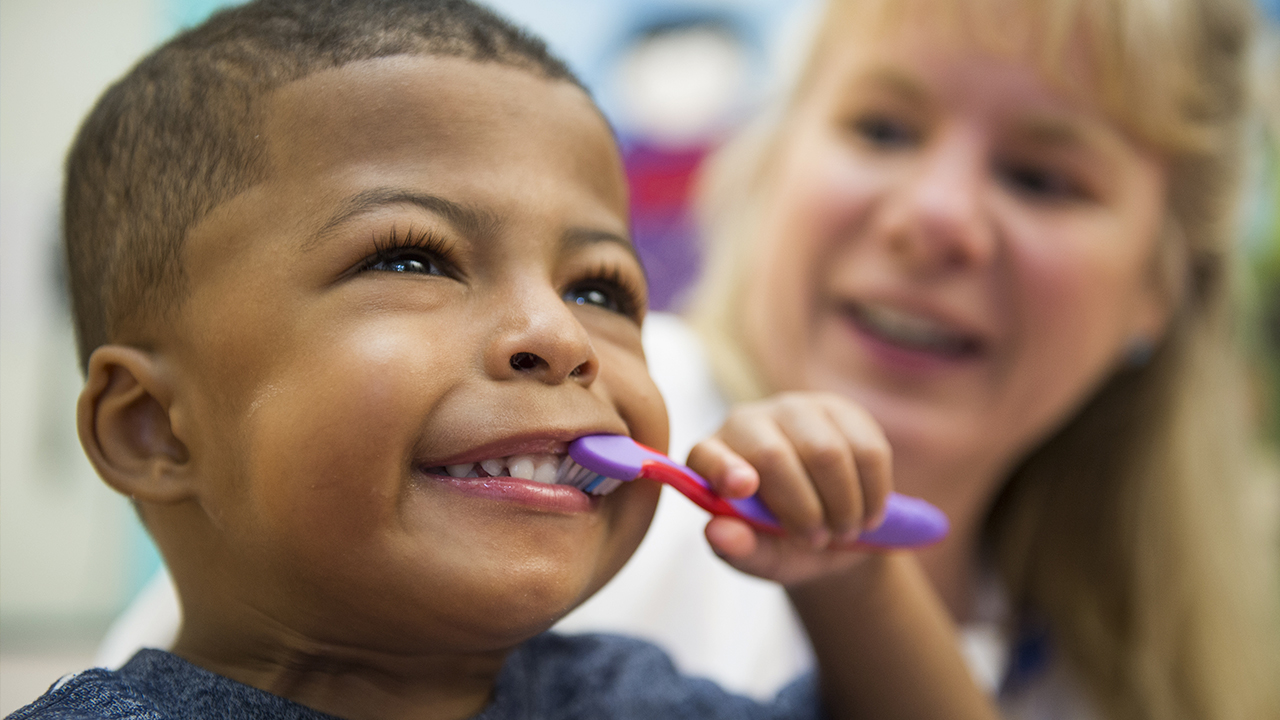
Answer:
[(957, 245)]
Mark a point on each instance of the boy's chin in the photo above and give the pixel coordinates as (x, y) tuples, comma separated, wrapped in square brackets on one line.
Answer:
[(476, 602), (494, 622)]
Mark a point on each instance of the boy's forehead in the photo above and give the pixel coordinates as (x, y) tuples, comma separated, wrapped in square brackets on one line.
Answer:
[(371, 107), (483, 137), (449, 122)]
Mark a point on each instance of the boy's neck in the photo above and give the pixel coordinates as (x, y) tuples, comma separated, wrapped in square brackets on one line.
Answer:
[(348, 682)]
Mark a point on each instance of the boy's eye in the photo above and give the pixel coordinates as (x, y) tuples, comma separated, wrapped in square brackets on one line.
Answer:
[(593, 296), (885, 132), (411, 253), (609, 289), (405, 264)]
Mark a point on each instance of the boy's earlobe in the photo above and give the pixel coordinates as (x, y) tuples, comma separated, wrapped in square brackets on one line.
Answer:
[(125, 425)]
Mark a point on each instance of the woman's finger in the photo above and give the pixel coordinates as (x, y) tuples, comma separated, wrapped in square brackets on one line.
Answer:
[(726, 471), (785, 487), (828, 458), (731, 538), (872, 455)]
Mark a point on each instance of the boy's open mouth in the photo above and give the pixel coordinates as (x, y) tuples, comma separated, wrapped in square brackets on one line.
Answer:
[(529, 479), (540, 468)]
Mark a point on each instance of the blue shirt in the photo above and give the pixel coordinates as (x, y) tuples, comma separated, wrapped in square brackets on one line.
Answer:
[(557, 677)]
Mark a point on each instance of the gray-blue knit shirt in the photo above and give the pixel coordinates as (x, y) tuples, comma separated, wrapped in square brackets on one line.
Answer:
[(557, 677)]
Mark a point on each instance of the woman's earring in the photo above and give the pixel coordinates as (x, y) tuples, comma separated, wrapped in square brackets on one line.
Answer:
[(1138, 353)]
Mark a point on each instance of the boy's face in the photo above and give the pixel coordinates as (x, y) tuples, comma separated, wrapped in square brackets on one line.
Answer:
[(436, 272)]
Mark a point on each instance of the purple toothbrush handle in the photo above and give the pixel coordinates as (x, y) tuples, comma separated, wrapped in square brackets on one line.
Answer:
[(908, 521)]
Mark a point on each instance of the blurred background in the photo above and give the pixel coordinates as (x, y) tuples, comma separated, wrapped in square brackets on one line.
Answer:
[(675, 77)]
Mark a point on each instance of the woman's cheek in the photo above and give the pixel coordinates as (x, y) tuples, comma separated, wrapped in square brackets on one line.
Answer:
[(1073, 314)]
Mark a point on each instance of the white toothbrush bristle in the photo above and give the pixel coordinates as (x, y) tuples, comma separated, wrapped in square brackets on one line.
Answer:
[(608, 486), (571, 473)]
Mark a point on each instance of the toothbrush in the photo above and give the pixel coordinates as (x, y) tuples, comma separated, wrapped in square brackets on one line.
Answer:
[(599, 464)]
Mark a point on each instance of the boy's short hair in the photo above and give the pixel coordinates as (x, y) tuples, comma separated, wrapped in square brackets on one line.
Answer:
[(177, 135)]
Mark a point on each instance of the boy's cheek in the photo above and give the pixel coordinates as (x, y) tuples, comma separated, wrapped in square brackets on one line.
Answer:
[(626, 380), (322, 445), (630, 514)]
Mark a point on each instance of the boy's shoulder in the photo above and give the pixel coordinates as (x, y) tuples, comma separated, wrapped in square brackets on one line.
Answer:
[(562, 676), (600, 675), (156, 685), (95, 693)]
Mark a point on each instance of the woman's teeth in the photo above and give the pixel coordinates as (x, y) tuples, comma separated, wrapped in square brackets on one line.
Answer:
[(542, 468), (912, 330)]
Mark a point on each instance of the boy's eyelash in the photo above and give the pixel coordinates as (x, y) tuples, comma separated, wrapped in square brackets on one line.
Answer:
[(632, 297), (387, 247)]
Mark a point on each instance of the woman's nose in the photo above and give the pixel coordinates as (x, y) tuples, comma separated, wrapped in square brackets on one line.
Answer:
[(539, 338), (938, 217)]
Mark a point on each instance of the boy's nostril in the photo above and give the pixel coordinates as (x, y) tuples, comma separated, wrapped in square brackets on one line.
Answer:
[(525, 361)]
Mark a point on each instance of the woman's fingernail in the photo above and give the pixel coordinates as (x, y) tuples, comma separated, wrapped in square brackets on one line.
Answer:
[(874, 521), (850, 536), (820, 538)]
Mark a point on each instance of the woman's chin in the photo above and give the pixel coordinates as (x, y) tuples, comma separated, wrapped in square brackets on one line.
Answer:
[(929, 436)]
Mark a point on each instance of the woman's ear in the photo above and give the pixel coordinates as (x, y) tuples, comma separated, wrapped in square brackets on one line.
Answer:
[(123, 417), (1165, 289)]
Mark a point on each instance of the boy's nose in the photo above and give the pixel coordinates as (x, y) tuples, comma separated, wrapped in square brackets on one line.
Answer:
[(937, 220), (540, 339), (527, 362)]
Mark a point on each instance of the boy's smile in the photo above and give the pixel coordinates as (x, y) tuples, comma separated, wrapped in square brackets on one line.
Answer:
[(434, 278)]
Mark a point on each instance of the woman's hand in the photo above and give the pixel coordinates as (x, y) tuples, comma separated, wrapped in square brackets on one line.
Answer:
[(820, 464)]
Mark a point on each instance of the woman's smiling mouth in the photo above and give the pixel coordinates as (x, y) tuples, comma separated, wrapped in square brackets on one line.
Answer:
[(912, 332)]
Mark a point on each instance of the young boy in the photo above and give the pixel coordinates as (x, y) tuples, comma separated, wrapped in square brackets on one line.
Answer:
[(348, 277)]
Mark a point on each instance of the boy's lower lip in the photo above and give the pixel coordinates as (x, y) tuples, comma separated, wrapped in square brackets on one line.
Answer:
[(541, 496)]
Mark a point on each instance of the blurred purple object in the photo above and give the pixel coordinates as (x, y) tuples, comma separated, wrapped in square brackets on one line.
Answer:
[(661, 220)]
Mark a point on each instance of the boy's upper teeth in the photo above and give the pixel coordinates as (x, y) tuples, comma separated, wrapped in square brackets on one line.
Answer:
[(546, 469), (520, 466), (542, 468)]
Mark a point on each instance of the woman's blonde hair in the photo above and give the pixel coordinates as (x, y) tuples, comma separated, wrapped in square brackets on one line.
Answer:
[(1137, 529)]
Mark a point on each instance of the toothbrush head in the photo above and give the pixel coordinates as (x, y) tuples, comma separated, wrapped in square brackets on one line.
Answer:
[(615, 456), (598, 464)]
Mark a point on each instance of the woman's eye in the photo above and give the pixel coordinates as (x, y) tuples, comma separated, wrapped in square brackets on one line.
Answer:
[(1040, 183), (886, 132), (594, 296)]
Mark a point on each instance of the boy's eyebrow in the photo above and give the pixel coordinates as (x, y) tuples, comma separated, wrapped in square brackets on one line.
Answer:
[(473, 222), (470, 221), (576, 237)]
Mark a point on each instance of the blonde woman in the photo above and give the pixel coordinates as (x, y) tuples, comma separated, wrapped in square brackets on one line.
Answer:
[(1002, 227)]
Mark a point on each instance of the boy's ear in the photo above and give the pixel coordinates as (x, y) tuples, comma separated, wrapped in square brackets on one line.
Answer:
[(123, 417)]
